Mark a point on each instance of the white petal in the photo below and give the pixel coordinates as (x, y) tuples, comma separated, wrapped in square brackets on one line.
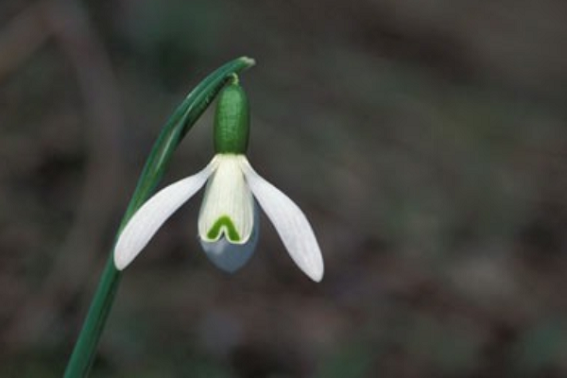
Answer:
[(228, 206), (149, 218), (230, 256), (290, 223)]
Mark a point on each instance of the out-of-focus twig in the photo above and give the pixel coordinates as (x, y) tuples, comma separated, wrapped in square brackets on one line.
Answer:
[(67, 23)]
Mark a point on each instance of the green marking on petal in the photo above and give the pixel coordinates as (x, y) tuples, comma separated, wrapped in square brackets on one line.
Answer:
[(225, 224)]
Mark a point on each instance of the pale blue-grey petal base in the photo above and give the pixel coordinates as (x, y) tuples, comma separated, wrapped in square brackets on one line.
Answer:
[(231, 257)]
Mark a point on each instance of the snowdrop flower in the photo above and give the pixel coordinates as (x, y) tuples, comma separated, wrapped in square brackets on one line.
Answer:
[(228, 220)]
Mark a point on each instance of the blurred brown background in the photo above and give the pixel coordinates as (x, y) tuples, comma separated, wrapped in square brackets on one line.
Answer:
[(425, 140)]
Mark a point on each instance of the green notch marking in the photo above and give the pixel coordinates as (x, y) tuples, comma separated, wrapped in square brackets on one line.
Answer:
[(225, 224)]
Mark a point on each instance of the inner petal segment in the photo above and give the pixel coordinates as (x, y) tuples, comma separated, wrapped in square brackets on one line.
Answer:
[(228, 206)]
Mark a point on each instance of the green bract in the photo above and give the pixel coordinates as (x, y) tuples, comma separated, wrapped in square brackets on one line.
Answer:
[(232, 121)]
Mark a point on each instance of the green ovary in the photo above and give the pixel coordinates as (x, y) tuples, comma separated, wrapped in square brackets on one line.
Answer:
[(225, 224)]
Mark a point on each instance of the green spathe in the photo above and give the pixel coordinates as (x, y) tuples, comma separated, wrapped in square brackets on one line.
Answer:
[(169, 138), (225, 223), (232, 120)]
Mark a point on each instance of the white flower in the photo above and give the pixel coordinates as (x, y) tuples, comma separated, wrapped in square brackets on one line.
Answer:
[(228, 220)]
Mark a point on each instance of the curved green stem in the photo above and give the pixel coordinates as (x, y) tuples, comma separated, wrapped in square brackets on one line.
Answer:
[(171, 135)]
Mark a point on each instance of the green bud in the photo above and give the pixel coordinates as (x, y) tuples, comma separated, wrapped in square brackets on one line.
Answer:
[(232, 120)]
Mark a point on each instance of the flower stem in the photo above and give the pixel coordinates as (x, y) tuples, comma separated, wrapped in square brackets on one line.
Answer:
[(171, 135)]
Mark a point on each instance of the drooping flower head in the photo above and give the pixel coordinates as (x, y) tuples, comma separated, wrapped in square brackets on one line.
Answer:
[(228, 223)]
